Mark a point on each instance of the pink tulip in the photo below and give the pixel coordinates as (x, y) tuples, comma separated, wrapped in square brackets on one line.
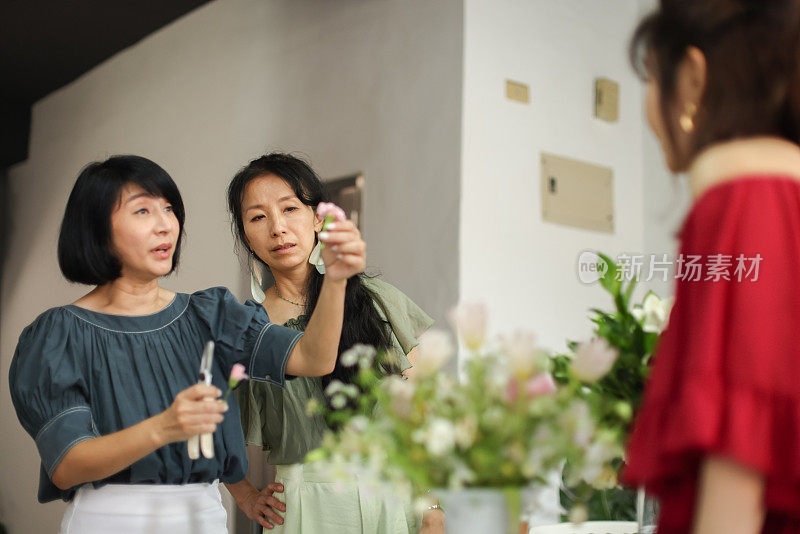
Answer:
[(541, 384), (237, 372), (326, 209), (236, 376), (593, 360)]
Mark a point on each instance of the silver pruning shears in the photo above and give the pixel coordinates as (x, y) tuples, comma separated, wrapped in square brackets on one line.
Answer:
[(203, 442)]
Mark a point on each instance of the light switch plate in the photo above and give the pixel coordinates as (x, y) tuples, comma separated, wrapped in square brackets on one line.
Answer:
[(517, 91), (578, 194), (606, 99)]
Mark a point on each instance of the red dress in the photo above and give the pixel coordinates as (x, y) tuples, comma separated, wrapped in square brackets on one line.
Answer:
[(726, 375)]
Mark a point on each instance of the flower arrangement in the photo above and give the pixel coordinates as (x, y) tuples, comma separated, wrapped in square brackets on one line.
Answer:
[(612, 369), (505, 422)]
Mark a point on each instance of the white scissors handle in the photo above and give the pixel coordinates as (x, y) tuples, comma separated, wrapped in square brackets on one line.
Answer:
[(203, 442)]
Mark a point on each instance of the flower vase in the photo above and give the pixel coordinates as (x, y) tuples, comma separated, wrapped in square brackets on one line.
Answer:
[(646, 512), (481, 510)]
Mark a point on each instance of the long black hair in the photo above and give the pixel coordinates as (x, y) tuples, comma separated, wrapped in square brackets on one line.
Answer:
[(362, 323)]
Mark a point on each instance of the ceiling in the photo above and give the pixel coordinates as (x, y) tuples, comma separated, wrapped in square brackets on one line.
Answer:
[(47, 44)]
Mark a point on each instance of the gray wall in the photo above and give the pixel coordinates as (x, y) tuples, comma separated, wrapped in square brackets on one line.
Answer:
[(355, 85)]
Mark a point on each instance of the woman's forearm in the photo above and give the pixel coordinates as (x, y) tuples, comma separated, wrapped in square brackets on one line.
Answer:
[(194, 411), (315, 354), (730, 498), (99, 458)]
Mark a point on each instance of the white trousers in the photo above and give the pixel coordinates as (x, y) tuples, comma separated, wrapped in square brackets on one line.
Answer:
[(146, 509)]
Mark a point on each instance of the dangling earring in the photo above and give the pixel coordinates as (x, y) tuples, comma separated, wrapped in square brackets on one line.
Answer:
[(687, 118), (258, 273), (315, 258)]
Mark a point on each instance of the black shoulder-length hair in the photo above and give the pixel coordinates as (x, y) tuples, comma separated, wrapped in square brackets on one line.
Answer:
[(84, 242), (362, 323)]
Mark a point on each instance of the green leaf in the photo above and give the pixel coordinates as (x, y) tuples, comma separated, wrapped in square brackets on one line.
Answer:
[(609, 279)]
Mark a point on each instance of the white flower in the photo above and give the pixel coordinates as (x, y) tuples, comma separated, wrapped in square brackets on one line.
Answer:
[(578, 419), (348, 358), (446, 388), (440, 437), (351, 390), (523, 356), (402, 394), (399, 388), (579, 514), (460, 476), (653, 312), (496, 379), (470, 322), (360, 354), (338, 401), (334, 387), (593, 360), (435, 349), (313, 407), (466, 431), (358, 424), (540, 451), (596, 459)]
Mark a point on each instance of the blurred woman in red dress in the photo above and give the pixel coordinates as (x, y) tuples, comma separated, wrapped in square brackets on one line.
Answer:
[(717, 438)]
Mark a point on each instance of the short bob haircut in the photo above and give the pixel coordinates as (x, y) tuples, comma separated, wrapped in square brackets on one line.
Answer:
[(84, 243), (752, 50)]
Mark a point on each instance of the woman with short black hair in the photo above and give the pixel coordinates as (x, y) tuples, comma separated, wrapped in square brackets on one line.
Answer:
[(106, 385)]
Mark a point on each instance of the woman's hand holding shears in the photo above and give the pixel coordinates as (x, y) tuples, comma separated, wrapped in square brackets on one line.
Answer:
[(195, 411)]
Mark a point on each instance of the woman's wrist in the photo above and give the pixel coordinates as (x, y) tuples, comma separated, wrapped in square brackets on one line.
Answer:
[(156, 431), (334, 283), (240, 491)]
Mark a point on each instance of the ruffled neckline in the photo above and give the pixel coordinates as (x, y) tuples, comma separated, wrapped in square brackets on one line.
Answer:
[(298, 323)]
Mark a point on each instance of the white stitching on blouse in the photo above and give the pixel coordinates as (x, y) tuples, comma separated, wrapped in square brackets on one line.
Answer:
[(59, 416), (125, 331), (289, 350), (64, 451), (255, 347), (280, 382)]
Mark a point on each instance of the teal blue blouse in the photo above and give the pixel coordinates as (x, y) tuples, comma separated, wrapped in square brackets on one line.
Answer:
[(79, 374)]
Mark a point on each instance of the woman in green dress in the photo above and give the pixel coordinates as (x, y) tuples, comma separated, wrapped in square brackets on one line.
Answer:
[(272, 203)]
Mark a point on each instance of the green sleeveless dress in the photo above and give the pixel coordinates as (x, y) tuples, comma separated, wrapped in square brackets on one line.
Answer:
[(276, 420)]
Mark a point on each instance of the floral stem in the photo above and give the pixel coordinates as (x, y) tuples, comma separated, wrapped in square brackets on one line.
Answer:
[(328, 219)]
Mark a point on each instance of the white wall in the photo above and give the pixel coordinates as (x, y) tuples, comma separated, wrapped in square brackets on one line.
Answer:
[(354, 84), (666, 200), (523, 267)]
